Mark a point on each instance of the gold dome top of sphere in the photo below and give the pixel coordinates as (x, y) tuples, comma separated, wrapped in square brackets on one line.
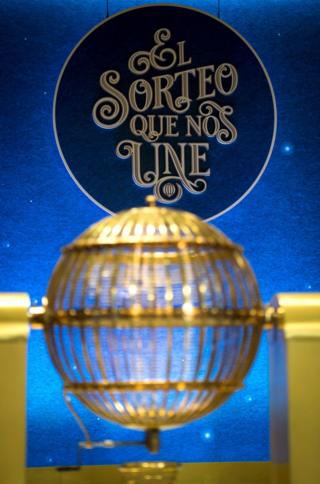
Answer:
[(154, 225)]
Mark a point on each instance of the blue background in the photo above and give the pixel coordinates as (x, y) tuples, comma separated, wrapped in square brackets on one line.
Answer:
[(42, 209)]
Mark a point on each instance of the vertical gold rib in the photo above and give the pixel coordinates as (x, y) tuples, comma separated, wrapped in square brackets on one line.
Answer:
[(154, 331), (95, 396), (186, 333), (230, 356), (97, 339), (169, 331), (246, 340), (74, 282), (65, 280), (227, 355), (137, 344), (190, 399), (204, 397), (50, 326), (110, 338)]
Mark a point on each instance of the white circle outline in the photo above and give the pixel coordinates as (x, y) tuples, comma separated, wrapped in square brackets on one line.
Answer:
[(244, 195)]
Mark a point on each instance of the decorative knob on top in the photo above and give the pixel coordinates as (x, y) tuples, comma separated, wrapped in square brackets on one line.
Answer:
[(151, 200)]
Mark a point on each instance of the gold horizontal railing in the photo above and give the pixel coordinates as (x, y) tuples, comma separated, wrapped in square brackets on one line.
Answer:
[(150, 317), (151, 386)]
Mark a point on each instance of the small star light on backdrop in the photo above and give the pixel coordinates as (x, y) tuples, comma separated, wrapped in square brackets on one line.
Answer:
[(207, 436), (287, 148)]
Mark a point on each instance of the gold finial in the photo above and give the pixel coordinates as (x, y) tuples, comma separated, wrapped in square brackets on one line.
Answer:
[(151, 200)]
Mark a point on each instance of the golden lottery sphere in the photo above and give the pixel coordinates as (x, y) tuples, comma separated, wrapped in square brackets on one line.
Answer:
[(151, 472), (153, 317)]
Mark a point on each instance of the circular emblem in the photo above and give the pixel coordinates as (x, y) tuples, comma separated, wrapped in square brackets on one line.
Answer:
[(165, 100)]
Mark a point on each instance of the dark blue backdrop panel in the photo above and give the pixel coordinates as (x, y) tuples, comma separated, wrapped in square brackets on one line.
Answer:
[(42, 209), (90, 151)]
